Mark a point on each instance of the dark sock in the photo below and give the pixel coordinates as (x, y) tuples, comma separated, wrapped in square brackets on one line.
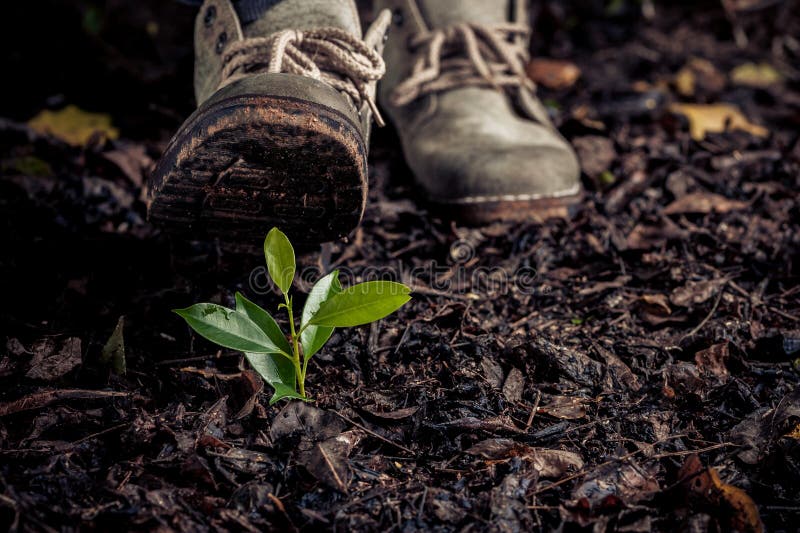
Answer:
[(248, 10)]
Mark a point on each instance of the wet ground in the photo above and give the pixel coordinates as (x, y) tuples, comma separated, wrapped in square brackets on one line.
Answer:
[(634, 368)]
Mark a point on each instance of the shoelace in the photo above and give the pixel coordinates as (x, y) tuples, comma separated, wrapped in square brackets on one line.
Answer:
[(331, 55), (466, 55)]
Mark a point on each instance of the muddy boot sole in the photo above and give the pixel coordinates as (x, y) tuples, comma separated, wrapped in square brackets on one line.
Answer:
[(244, 163), (482, 213)]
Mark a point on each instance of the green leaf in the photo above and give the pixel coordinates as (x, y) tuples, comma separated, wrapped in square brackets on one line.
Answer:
[(283, 391), (362, 304), (227, 328), (263, 320), (113, 353), (280, 259), (314, 338), (278, 371)]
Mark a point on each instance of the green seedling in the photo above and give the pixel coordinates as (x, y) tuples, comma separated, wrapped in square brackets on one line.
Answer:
[(281, 359)]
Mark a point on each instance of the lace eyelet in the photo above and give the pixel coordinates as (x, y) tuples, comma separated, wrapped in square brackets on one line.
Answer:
[(398, 17), (222, 40), (210, 16)]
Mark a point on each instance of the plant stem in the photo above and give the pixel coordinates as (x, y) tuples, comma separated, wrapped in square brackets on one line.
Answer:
[(298, 369)]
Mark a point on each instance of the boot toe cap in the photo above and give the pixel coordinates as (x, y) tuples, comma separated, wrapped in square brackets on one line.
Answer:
[(481, 173)]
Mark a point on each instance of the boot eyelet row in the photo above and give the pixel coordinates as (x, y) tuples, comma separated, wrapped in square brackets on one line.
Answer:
[(222, 40), (398, 17), (210, 16)]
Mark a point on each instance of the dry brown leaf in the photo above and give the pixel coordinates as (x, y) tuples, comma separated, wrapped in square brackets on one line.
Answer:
[(514, 385), (595, 153), (712, 360), (132, 160), (703, 203), (731, 504), (716, 118), (548, 463), (553, 73), (629, 482), (695, 292), (398, 414), (73, 125), (699, 72), (52, 361), (656, 304), (565, 407)]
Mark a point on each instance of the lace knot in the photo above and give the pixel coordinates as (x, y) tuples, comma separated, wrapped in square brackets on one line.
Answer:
[(331, 55)]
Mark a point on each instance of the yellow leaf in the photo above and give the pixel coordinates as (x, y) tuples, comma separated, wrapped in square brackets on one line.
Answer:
[(716, 118), (795, 433), (685, 81), (73, 125), (756, 75)]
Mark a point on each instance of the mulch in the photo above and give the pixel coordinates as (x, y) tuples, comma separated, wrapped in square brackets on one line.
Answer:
[(633, 368)]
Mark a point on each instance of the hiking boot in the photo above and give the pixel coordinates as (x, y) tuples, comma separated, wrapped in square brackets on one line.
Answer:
[(473, 131), (280, 134)]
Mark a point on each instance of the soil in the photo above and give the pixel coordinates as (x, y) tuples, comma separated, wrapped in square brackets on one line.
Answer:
[(632, 368)]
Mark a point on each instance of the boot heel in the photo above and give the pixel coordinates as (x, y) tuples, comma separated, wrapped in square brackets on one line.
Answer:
[(264, 152)]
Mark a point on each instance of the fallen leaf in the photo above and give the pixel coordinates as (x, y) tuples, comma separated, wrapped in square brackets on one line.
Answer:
[(553, 73), (629, 482), (683, 379), (245, 392), (571, 363), (52, 361), (132, 160), (493, 372), (730, 504), (565, 407), (716, 118), (761, 433), (704, 203), (618, 374), (489, 425), (30, 166), (509, 510), (514, 386), (38, 400), (699, 73), (656, 304), (696, 292), (73, 125), (328, 460), (548, 463), (645, 236), (397, 414), (712, 360), (795, 433), (595, 153), (760, 75)]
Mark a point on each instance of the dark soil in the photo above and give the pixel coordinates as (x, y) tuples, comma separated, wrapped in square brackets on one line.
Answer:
[(633, 368)]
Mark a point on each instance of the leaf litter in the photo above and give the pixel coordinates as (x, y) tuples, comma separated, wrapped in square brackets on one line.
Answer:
[(661, 323)]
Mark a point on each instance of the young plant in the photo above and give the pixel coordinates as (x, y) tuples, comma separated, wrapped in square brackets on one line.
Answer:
[(282, 360)]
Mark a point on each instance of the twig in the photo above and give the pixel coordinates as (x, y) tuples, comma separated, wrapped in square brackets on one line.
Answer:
[(533, 411), (377, 436), (43, 399), (218, 355), (99, 434), (630, 455), (707, 318), (783, 314)]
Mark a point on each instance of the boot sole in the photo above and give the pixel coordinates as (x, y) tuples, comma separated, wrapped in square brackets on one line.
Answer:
[(245, 164), (538, 210)]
